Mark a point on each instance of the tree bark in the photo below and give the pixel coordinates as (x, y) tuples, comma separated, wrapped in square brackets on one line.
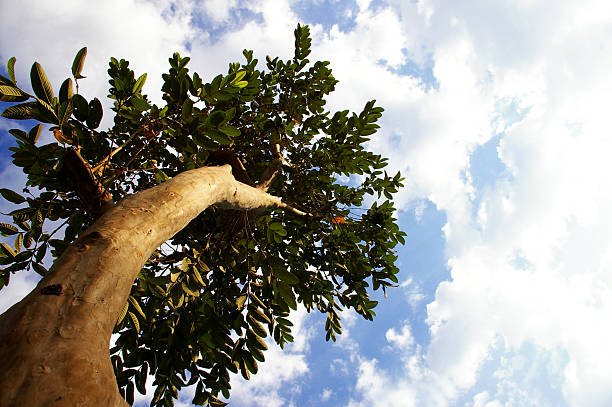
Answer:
[(54, 344)]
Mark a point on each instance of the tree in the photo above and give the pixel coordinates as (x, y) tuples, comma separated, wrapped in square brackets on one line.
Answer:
[(190, 230)]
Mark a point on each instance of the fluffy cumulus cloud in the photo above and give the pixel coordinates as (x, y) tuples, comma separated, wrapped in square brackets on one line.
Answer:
[(529, 252), (522, 84)]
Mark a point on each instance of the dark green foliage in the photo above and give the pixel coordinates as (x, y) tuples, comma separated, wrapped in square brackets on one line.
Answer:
[(204, 302)]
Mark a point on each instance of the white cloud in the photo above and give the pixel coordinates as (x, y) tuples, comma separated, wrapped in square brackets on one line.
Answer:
[(219, 10), (327, 393), (402, 340), (554, 209)]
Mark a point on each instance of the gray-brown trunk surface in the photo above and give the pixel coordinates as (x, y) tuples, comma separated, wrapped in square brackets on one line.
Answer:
[(54, 344)]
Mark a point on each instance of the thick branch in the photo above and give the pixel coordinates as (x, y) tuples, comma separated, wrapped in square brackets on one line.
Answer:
[(275, 166), (88, 187), (221, 157), (60, 333)]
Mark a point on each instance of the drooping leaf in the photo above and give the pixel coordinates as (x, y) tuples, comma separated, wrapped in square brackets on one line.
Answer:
[(123, 313), (31, 110), (280, 271), (23, 111), (7, 250), (7, 229), (40, 83), (137, 307), (20, 135), (77, 64), (18, 242), (134, 320), (12, 196), (12, 94), (256, 326), (40, 269)]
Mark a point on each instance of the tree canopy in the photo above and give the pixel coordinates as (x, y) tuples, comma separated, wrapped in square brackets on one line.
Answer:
[(204, 302)]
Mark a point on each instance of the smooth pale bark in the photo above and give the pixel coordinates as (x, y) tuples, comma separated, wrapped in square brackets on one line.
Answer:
[(54, 343)]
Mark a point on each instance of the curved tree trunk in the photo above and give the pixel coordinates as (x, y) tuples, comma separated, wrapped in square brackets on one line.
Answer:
[(54, 344)]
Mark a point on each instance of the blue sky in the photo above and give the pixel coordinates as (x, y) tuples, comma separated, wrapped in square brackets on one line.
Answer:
[(497, 115)]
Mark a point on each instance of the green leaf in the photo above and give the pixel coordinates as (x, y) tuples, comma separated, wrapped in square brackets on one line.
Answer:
[(77, 64), (198, 277), (188, 290), (187, 108), (46, 113), (20, 135), (65, 111), (217, 117), (256, 326), (240, 301), (38, 268), (284, 322), (200, 397), (134, 320), (257, 301), (141, 378), (66, 91), (23, 111), (255, 341), (31, 110), (287, 294), (136, 306), (137, 88), (229, 131), (280, 271), (244, 371), (218, 137), (7, 250), (161, 176), (250, 363), (28, 240), (40, 83), (34, 133), (12, 94), (18, 242), (259, 315), (240, 84), (238, 76), (12, 196), (7, 229), (10, 68), (81, 109), (95, 114), (129, 391), (140, 104)]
